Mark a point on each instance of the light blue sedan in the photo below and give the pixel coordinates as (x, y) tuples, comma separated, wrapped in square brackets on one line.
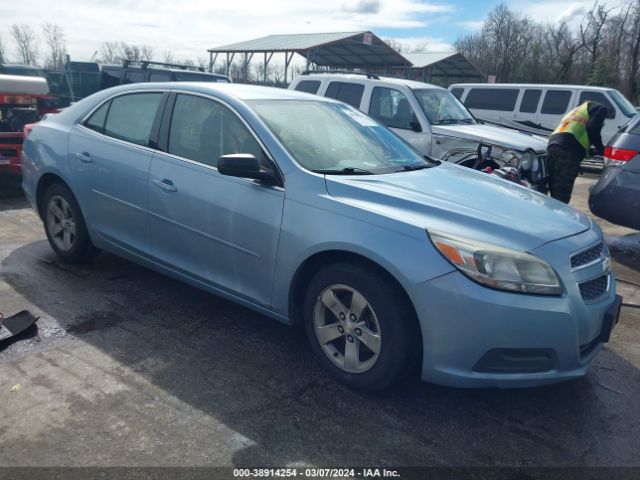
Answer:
[(306, 210)]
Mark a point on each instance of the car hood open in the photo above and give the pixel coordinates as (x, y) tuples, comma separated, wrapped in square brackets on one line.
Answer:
[(464, 202), (503, 137)]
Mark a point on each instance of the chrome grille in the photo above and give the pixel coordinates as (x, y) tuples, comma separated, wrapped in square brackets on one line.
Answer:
[(594, 288), (586, 257)]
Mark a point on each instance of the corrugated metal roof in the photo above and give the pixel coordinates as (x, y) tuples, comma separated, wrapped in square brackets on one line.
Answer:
[(424, 59), (338, 50), (289, 43)]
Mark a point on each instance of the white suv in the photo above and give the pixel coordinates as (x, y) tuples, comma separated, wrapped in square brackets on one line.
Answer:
[(431, 119)]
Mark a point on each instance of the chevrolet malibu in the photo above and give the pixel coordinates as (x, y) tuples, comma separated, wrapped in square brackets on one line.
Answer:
[(308, 211)]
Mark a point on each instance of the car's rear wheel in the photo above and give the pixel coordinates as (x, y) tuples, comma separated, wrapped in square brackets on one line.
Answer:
[(65, 226), (360, 326)]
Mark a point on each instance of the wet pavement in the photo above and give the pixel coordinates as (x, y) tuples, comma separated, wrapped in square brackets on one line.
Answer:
[(129, 367)]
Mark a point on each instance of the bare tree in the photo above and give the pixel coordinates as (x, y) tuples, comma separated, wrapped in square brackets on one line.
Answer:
[(54, 38), (26, 43), (109, 52), (146, 52), (629, 81), (168, 57), (2, 51), (591, 30)]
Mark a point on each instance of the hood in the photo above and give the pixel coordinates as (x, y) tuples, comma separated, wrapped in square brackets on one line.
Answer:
[(464, 202), (503, 137)]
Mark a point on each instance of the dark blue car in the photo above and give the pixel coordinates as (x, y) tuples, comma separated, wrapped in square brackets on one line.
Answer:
[(616, 196)]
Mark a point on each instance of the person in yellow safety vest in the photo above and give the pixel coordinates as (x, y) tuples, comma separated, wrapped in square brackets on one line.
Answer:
[(569, 144)]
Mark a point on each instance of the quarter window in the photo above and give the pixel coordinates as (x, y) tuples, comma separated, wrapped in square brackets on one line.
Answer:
[(203, 130), (392, 108), (96, 120), (556, 102), (500, 99), (601, 99), (131, 117), (308, 86), (530, 100), (350, 93)]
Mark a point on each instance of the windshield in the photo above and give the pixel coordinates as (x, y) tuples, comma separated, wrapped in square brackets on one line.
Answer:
[(442, 107), (335, 138), (624, 104)]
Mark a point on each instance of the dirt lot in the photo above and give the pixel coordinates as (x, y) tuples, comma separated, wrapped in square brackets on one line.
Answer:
[(128, 367)]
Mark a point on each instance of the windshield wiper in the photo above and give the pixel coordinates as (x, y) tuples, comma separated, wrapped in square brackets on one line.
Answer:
[(344, 171), (415, 166)]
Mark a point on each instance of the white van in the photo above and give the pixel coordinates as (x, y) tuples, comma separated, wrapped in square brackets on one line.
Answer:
[(540, 107)]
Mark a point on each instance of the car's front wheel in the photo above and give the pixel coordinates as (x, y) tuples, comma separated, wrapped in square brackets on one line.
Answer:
[(360, 326), (64, 225)]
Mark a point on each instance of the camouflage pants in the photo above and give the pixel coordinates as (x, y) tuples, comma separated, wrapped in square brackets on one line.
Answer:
[(564, 166)]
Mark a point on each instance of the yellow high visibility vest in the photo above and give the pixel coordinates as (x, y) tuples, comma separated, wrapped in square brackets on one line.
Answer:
[(575, 123)]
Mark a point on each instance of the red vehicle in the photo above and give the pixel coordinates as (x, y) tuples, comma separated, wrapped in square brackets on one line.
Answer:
[(23, 101)]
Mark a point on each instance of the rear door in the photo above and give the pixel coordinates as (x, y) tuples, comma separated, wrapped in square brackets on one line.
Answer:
[(217, 229), (109, 155)]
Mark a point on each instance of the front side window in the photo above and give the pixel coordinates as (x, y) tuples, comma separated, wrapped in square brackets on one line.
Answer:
[(625, 105), (441, 107), (601, 99), (131, 117), (203, 130), (556, 102), (391, 107), (334, 138)]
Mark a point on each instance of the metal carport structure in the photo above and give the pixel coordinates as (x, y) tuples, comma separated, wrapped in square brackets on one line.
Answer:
[(343, 50), (442, 68)]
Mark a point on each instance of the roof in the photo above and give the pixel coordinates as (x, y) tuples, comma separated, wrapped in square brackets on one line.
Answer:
[(555, 86), (338, 49), (444, 64), (358, 77)]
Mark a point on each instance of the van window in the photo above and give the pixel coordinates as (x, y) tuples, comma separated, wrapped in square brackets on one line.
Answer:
[(457, 92), (501, 99), (601, 99), (308, 86), (391, 108), (350, 93), (530, 101), (556, 102)]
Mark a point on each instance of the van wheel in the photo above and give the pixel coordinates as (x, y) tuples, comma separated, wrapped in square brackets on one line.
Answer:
[(360, 326), (64, 225)]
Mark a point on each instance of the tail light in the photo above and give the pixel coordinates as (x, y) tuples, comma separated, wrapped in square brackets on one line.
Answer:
[(616, 157), (27, 129)]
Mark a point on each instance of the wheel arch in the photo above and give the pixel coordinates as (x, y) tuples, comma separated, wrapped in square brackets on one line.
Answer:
[(318, 260)]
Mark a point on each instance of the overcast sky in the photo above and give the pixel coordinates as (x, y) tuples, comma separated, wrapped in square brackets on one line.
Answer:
[(189, 27)]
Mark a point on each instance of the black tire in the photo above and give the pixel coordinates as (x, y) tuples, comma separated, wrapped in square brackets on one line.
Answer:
[(81, 249), (400, 348)]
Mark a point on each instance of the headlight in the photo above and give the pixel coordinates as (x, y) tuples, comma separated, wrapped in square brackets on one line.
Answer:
[(529, 161), (506, 157), (498, 267)]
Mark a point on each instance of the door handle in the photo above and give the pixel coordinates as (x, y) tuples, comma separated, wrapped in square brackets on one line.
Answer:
[(84, 157), (166, 185)]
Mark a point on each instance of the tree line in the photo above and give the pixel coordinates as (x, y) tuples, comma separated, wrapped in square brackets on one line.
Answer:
[(603, 50)]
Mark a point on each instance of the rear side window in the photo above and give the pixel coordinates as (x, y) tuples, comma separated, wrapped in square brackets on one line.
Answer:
[(131, 117), (203, 130), (96, 120), (457, 92), (501, 99), (159, 77), (556, 102), (601, 99), (530, 100), (134, 77), (350, 93), (308, 86)]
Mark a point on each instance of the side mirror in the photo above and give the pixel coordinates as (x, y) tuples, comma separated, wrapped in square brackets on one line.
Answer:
[(415, 126), (245, 165)]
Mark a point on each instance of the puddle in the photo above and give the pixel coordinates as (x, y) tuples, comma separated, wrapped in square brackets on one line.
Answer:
[(94, 321)]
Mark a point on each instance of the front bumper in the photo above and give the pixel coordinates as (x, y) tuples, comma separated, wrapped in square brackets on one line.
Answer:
[(462, 322)]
